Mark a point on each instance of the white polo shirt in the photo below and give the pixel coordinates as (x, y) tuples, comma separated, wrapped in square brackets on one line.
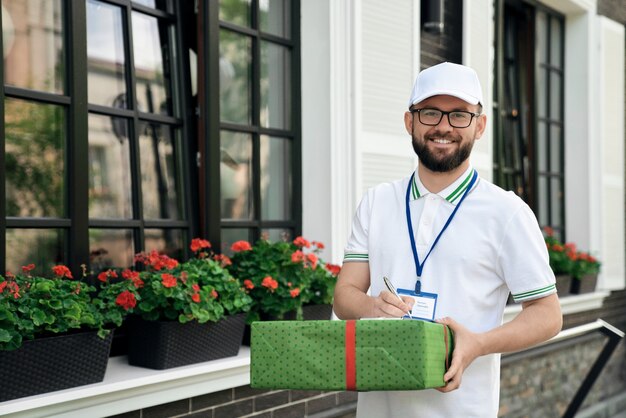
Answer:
[(492, 246)]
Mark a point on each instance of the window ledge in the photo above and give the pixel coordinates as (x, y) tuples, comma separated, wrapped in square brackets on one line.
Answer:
[(569, 304), (128, 388)]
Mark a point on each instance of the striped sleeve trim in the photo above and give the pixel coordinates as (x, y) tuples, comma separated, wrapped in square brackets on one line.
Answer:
[(363, 257), (534, 294)]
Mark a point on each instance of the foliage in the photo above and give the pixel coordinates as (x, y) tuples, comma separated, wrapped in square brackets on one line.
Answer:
[(32, 306), (283, 276), (566, 259), (199, 289)]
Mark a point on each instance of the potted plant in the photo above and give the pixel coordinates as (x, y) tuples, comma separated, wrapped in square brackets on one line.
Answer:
[(284, 277), (44, 323), (585, 273), (561, 257), (184, 313)]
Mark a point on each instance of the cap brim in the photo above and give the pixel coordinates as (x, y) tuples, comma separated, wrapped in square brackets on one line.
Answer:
[(465, 97)]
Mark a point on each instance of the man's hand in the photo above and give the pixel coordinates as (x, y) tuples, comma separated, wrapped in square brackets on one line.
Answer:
[(467, 346), (387, 305)]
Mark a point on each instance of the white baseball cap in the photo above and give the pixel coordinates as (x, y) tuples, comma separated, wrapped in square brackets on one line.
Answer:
[(447, 79)]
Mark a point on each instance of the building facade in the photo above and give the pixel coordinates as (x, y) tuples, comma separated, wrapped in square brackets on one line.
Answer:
[(138, 125)]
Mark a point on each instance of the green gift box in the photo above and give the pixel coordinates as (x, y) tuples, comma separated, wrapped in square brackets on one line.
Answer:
[(349, 355)]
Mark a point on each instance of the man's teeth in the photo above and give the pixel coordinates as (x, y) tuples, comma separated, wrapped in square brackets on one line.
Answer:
[(442, 141)]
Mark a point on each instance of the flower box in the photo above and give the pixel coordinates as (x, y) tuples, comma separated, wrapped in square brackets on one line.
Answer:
[(586, 284), (53, 363), (349, 355), (166, 344), (563, 284)]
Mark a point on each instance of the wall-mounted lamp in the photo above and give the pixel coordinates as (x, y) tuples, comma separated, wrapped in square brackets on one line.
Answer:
[(432, 16)]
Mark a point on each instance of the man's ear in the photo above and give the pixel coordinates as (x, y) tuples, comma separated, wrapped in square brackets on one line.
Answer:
[(408, 122), (481, 124)]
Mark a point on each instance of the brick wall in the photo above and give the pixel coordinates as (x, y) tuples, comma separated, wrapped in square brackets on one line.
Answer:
[(543, 384)]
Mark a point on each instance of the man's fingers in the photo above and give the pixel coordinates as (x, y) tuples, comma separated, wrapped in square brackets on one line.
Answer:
[(391, 299)]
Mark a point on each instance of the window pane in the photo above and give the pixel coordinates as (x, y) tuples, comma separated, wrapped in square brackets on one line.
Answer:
[(236, 175), (276, 235), (110, 248), (555, 149), (276, 179), (109, 168), (274, 16), (231, 235), (160, 182), (543, 199), (541, 40), (238, 12), (153, 77), (556, 195), (106, 62), (275, 86), (35, 159), (555, 95), (43, 247), (33, 44), (555, 42), (235, 75), (166, 241), (542, 147)]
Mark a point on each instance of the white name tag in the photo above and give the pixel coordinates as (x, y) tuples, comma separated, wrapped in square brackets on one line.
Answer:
[(424, 307)]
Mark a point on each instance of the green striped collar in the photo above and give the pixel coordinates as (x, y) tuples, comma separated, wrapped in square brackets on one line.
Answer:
[(452, 193)]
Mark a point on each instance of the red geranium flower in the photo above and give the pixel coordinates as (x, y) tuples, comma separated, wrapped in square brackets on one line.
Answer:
[(319, 245), (241, 246), (197, 244), (248, 284), (126, 300), (214, 294), (269, 283), (297, 256), (295, 292), (333, 269), (223, 260), (62, 271), (168, 280), (312, 259), (28, 268), (195, 297), (301, 242)]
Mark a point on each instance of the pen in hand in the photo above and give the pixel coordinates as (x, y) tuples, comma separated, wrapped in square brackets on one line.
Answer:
[(393, 290)]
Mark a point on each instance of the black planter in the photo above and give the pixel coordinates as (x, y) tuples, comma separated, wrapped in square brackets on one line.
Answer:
[(586, 284), (53, 363), (166, 344), (563, 284)]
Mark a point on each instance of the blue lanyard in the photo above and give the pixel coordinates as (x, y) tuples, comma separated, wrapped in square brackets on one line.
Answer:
[(419, 267)]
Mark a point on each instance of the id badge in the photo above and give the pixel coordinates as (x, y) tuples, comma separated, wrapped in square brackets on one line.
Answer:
[(424, 307)]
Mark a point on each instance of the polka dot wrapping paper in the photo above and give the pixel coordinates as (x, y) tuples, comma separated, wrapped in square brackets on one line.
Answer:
[(349, 355)]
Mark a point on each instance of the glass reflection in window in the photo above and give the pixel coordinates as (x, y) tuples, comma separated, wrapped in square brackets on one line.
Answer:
[(232, 235), (274, 17), (276, 180), (275, 86), (236, 175), (43, 247), (238, 12), (106, 59), (166, 241), (153, 77), (33, 44), (109, 168), (277, 235), (110, 248), (34, 159), (160, 183), (235, 75)]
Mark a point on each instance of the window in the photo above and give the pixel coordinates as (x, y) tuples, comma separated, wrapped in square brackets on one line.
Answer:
[(529, 144), (254, 142), (94, 144)]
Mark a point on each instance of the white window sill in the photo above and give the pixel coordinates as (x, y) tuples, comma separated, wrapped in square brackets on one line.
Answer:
[(569, 304), (128, 388)]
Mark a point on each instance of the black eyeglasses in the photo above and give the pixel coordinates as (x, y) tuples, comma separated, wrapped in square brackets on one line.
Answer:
[(456, 118)]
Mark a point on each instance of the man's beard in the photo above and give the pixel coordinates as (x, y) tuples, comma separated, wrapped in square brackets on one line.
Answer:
[(440, 164)]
